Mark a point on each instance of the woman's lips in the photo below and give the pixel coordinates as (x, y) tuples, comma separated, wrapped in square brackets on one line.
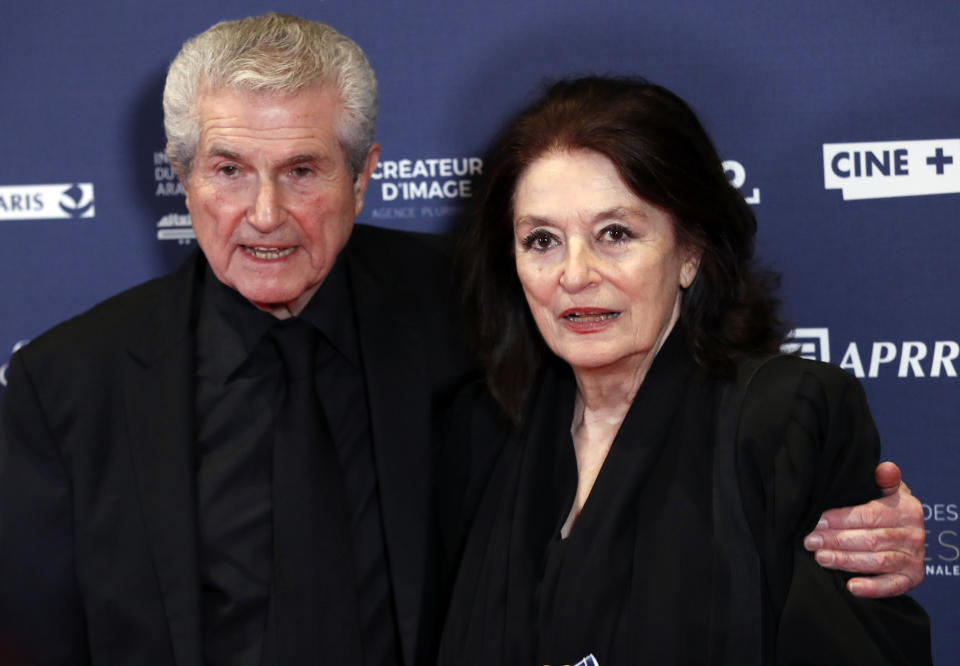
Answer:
[(587, 320)]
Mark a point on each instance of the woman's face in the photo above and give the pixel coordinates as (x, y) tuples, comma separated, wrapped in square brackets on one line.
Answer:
[(600, 267)]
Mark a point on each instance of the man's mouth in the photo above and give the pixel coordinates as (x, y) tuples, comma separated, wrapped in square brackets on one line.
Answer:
[(268, 252)]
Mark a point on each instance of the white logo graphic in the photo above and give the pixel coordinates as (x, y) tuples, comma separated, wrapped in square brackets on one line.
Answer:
[(168, 185), (737, 176), (942, 543), (881, 169), (3, 368), (46, 202), (426, 179), (911, 358), (811, 343), (175, 226)]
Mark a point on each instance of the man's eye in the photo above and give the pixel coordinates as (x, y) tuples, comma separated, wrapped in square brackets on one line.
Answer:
[(301, 171), (228, 170)]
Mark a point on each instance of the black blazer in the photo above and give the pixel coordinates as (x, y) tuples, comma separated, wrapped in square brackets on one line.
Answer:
[(98, 528), (791, 438)]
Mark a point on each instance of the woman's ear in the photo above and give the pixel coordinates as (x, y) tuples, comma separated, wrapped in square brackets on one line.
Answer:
[(688, 271)]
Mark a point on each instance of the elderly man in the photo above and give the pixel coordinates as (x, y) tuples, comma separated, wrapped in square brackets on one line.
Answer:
[(231, 464)]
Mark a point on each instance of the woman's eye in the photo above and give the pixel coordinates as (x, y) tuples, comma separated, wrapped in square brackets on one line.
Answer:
[(616, 233), (539, 240)]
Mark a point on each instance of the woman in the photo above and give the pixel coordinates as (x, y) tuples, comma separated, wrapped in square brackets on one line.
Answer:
[(608, 231)]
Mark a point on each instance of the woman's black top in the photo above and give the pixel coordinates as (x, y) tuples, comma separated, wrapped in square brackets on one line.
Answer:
[(645, 574)]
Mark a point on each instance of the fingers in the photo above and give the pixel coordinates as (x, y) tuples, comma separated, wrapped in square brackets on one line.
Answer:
[(895, 554), (898, 509), (883, 562), (888, 477), (872, 515), (883, 537), (889, 585), (897, 571), (903, 539)]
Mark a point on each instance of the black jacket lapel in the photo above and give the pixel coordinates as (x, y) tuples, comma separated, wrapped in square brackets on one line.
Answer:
[(400, 423), (159, 410)]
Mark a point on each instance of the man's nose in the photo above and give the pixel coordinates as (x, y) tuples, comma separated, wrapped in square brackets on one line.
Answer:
[(266, 212)]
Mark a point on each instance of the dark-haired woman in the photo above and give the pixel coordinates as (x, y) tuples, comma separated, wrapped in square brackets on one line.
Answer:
[(663, 462)]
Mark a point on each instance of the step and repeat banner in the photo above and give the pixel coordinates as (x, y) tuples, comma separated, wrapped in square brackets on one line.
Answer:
[(838, 121)]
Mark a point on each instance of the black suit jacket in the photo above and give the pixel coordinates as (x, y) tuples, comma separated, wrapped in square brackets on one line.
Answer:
[(98, 528)]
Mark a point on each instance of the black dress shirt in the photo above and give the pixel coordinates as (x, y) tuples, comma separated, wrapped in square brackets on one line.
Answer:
[(237, 402)]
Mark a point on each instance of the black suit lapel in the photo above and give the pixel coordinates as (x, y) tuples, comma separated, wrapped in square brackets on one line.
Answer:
[(399, 396), (159, 407)]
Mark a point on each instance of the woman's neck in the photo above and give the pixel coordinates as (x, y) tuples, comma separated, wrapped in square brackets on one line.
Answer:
[(604, 396), (607, 393)]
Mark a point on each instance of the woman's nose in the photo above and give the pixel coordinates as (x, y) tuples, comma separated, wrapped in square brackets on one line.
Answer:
[(579, 269)]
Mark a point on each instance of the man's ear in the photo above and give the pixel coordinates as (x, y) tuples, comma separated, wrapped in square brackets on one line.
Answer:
[(363, 178)]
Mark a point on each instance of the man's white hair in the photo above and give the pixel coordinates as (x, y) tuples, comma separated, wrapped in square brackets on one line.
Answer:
[(273, 53)]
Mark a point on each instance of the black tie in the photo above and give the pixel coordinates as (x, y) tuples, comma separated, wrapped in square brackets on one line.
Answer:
[(315, 618)]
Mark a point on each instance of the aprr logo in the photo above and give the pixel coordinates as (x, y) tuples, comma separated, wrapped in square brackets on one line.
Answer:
[(811, 343), (46, 202), (882, 169), (912, 358)]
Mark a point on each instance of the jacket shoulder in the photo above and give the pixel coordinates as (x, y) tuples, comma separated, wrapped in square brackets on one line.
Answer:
[(136, 314), (777, 378), (387, 251), (807, 421)]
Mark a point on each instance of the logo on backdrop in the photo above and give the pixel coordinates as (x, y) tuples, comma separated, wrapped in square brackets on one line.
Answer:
[(167, 184), (3, 368), (909, 358), (433, 178), (943, 544), (422, 188), (881, 169), (737, 176), (172, 226), (811, 343), (46, 202), (175, 227), (434, 187)]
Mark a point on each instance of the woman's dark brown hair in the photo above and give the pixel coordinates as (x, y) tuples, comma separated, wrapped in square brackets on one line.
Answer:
[(665, 157)]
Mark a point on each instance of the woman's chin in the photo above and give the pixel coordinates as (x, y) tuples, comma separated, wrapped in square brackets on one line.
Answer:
[(588, 361)]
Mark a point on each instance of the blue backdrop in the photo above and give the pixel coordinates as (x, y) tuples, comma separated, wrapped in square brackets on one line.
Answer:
[(838, 121)]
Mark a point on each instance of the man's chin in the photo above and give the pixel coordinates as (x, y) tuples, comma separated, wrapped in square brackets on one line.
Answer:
[(281, 303)]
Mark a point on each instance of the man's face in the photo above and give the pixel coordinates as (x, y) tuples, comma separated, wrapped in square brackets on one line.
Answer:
[(270, 195)]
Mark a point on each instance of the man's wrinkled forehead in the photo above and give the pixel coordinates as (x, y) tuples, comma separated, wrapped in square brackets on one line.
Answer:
[(210, 106)]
